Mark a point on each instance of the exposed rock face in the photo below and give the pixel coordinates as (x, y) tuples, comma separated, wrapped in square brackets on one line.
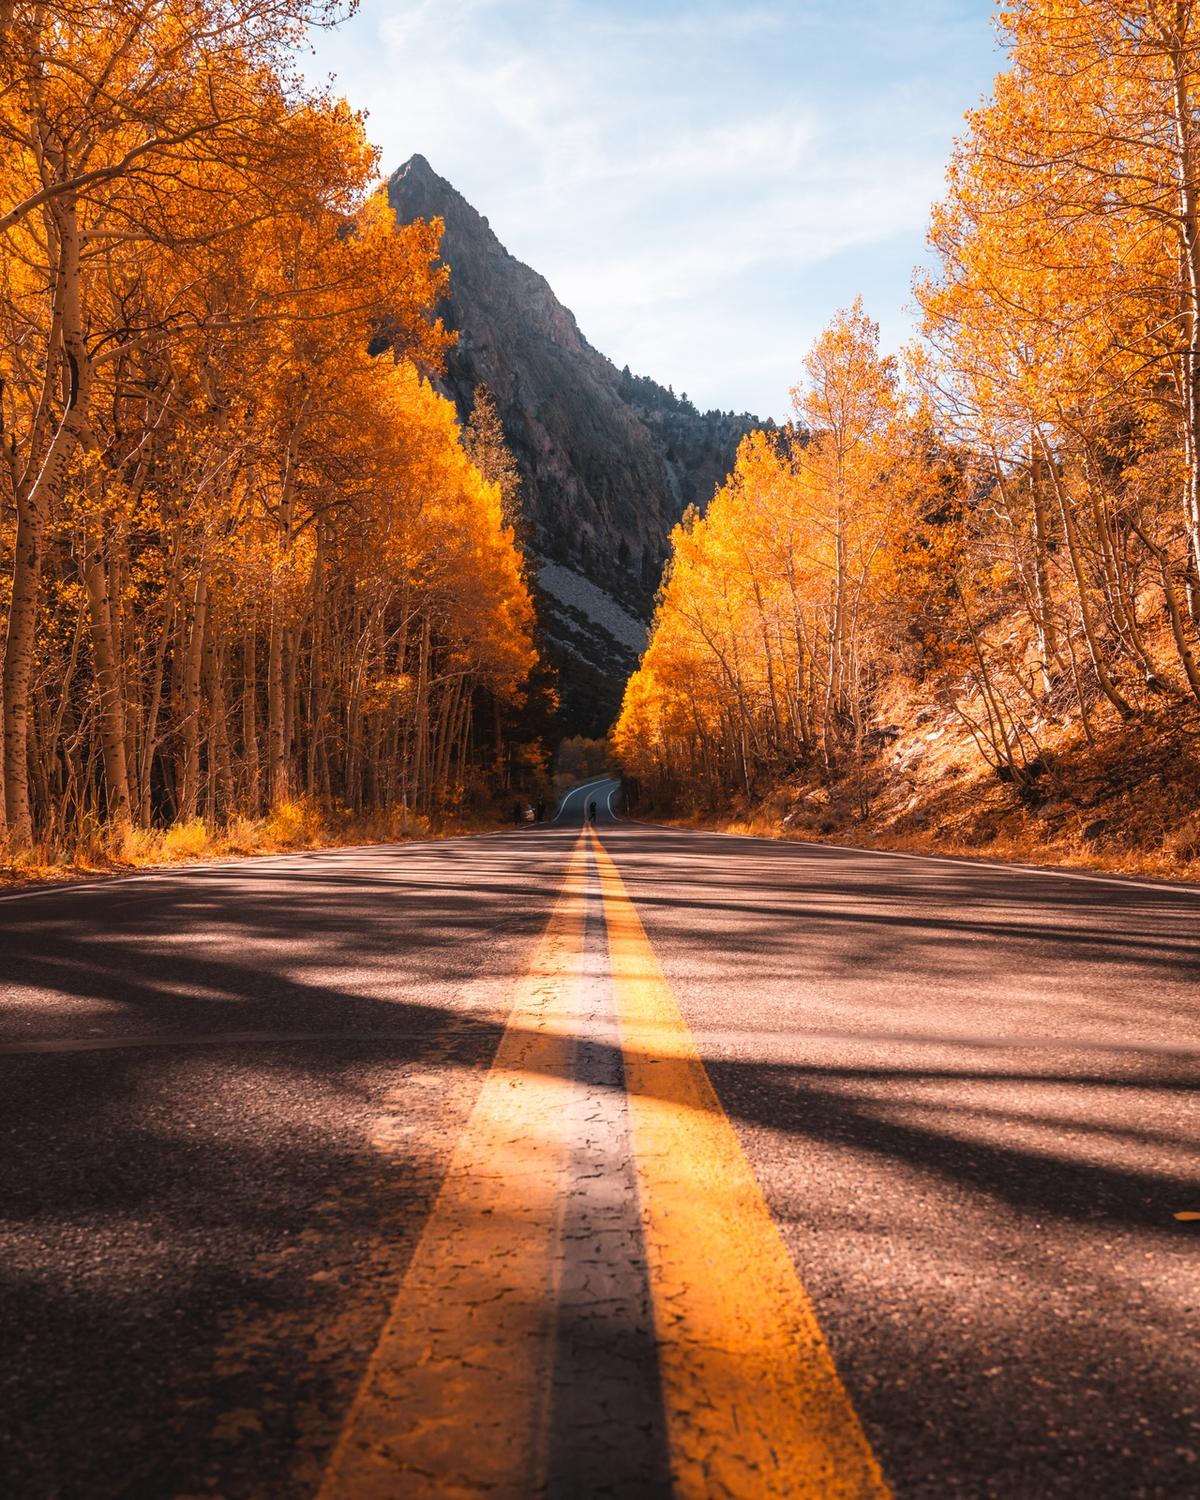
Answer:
[(608, 460)]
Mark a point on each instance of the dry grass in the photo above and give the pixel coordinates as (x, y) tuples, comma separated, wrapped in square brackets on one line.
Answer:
[(1129, 805), (297, 824)]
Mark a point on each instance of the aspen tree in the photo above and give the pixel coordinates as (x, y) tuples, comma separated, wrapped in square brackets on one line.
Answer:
[(223, 591)]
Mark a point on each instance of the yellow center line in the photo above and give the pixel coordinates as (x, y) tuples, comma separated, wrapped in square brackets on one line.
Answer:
[(754, 1403), (453, 1400)]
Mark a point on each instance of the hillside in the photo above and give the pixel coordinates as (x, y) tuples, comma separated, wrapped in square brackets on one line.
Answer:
[(609, 460)]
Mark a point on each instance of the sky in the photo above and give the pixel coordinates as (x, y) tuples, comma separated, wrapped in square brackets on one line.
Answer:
[(702, 184)]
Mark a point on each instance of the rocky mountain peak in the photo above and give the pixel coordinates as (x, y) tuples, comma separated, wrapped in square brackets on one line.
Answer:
[(417, 182), (608, 460)]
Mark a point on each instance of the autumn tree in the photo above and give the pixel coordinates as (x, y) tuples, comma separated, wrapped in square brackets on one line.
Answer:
[(109, 107), (229, 580), (1022, 521), (1063, 323), (772, 630), (488, 450)]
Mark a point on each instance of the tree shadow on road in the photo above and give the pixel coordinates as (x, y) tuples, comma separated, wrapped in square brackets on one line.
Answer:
[(174, 1188)]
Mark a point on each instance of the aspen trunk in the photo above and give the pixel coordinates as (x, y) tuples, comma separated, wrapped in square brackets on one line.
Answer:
[(118, 802), (836, 630), (153, 708), (18, 671), (316, 674), (421, 724), (219, 801), (187, 794), (128, 662), (69, 356), (251, 784), (1189, 220), (278, 788), (290, 707), (1047, 633), (1099, 666), (442, 735)]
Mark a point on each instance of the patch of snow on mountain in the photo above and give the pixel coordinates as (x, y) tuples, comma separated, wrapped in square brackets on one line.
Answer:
[(574, 590)]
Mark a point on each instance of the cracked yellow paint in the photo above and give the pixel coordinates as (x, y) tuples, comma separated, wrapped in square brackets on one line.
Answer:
[(453, 1401), (754, 1403)]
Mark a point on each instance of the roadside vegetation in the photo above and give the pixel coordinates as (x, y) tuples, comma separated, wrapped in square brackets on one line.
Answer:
[(297, 824), (253, 589), (956, 603)]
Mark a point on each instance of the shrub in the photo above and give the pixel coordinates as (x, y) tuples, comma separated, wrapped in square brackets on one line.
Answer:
[(185, 840), (293, 823)]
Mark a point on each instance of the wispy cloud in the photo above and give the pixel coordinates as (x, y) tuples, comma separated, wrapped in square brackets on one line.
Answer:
[(681, 166)]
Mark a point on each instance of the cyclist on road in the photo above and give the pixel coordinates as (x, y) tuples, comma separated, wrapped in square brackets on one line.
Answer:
[(592, 812)]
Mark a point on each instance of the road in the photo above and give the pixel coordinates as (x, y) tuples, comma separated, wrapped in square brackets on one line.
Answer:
[(649, 1162)]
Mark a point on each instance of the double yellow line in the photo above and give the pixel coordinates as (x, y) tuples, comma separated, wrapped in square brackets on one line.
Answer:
[(455, 1401)]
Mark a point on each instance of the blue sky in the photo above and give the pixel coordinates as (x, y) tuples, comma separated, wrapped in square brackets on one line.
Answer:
[(702, 184)]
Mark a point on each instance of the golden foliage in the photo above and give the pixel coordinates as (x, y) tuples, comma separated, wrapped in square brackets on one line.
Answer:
[(240, 509), (1016, 533)]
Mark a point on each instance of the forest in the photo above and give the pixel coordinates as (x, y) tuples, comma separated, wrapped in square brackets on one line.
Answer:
[(254, 574), (959, 595), (249, 567)]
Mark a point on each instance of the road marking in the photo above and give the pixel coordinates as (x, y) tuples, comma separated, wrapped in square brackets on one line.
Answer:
[(754, 1403), (454, 1400), (606, 1432), (1188, 1216), (577, 791), (76, 887), (471, 1388), (1053, 872)]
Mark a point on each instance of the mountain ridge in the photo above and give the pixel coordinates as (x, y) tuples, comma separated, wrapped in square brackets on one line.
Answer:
[(609, 461)]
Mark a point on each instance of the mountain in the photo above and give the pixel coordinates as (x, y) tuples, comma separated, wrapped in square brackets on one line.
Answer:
[(608, 460)]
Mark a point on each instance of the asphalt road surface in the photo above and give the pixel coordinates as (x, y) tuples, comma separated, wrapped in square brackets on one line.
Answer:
[(638, 1164)]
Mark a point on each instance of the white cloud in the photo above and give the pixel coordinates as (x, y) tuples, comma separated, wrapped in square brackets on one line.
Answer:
[(655, 163)]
